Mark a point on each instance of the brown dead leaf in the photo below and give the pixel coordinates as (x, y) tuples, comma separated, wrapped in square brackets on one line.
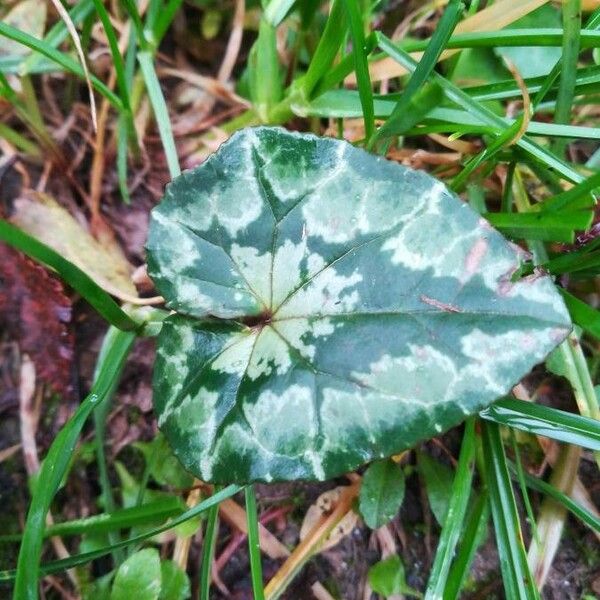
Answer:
[(36, 312), (101, 258)]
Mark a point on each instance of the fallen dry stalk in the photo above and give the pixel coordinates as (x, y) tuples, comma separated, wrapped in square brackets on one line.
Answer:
[(311, 543), (29, 414)]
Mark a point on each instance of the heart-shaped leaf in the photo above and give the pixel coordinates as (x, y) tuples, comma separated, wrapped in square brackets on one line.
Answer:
[(332, 307)]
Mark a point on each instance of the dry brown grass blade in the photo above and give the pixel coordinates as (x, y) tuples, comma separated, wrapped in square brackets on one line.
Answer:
[(311, 543), (552, 516), (64, 15), (526, 102), (7, 453), (233, 514), (234, 43), (181, 548), (492, 18), (30, 398)]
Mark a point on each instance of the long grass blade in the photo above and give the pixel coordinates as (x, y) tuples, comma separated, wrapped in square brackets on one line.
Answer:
[(86, 557), (161, 113), (208, 551), (548, 422), (518, 581), (460, 494), (254, 544), (59, 58), (421, 74), (117, 345), (361, 65), (459, 97)]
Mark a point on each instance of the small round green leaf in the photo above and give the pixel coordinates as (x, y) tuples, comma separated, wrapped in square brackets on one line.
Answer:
[(381, 493), (138, 577), (331, 307)]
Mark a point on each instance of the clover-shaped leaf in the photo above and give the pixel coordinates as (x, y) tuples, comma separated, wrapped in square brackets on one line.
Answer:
[(331, 307)]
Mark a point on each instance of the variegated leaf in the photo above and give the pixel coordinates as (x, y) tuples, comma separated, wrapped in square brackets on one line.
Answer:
[(332, 307)]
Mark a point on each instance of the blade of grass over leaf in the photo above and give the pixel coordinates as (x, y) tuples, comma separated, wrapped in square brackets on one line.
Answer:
[(254, 544), (59, 58), (117, 345), (361, 65), (518, 581), (161, 113), (460, 494), (80, 559), (548, 422), (71, 274), (426, 65)]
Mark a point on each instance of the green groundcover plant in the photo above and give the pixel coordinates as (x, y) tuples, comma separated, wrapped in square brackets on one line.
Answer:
[(327, 308)]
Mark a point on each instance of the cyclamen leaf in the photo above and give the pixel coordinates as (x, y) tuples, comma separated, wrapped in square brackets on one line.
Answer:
[(333, 307)]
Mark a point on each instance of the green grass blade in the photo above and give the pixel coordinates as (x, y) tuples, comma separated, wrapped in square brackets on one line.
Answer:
[(71, 274), (443, 31), (327, 48), (542, 225), (548, 422), (208, 551), (460, 495), (117, 59), (164, 19), (577, 197), (518, 581), (522, 37), (361, 65), (254, 544), (535, 483), (571, 10), (583, 314), (277, 10), (161, 113), (459, 97), (57, 34), (80, 559), (266, 87), (117, 345), (471, 537), (151, 512), (520, 472), (59, 58)]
